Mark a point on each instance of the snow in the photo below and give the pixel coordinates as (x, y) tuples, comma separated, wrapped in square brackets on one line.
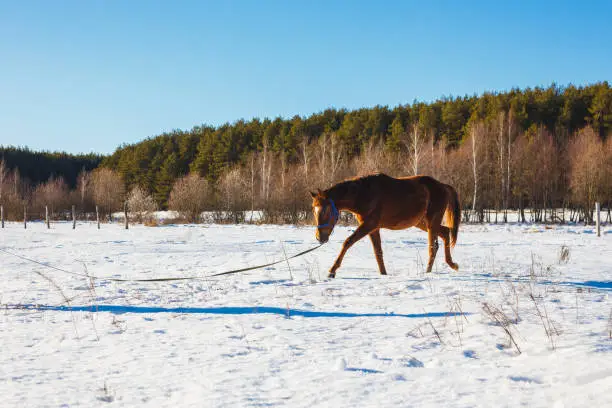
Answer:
[(288, 336)]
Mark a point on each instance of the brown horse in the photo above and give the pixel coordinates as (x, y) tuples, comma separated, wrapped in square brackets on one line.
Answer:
[(379, 201)]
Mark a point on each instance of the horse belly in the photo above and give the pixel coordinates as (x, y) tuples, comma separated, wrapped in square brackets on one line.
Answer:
[(403, 219), (405, 211), (402, 224)]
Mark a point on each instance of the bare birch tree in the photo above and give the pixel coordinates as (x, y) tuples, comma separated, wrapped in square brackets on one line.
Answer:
[(305, 156), (501, 147), (416, 146), (16, 182), (265, 160), (83, 184), (3, 174), (252, 174), (509, 161), (330, 159), (477, 131), (336, 158)]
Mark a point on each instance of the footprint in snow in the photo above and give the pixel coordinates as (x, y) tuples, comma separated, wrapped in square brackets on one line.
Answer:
[(237, 354), (363, 370), (397, 377), (342, 366), (414, 362), (521, 378)]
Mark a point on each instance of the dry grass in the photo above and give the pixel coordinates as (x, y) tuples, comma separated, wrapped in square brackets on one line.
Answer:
[(564, 255), (500, 319)]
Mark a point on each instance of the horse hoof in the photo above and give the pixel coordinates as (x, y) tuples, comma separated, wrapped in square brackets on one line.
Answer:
[(383, 273), (331, 275), (454, 266)]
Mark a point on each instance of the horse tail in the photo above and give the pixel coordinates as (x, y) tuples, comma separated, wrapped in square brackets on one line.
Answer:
[(453, 214)]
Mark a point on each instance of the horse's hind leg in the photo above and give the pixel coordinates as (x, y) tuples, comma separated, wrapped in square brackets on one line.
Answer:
[(445, 234), (433, 245), (375, 238)]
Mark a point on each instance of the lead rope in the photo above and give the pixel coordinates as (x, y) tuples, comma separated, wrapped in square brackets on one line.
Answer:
[(46, 265)]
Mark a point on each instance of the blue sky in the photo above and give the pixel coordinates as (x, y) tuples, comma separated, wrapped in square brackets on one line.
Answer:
[(88, 76)]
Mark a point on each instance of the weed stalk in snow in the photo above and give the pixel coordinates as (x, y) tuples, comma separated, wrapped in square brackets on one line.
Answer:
[(549, 326), (502, 320), (610, 325)]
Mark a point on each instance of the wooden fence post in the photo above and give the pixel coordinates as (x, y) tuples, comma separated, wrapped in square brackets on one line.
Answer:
[(598, 219), (47, 217), (98, 216), (25, 217), (125, 212), (73, 217)]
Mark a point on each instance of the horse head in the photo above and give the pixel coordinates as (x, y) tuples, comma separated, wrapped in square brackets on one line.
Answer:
[(326, 215)]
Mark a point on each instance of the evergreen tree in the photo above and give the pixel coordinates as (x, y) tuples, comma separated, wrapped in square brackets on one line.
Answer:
[(394, 141), (166, 176)]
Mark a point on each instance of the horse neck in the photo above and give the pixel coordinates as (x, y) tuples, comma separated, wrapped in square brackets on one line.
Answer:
[(344, 199)]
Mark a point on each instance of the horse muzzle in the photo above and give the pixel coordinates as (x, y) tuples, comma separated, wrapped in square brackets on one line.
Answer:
[(322, 237)]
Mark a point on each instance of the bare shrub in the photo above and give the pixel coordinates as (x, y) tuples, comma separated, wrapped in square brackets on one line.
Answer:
[(108, 190), (190, 196), (587, 171), (374, 158), (456, 170), (233, 195), (53, 193), (292, 197), (15, 194), (140, 204), (535, 172)]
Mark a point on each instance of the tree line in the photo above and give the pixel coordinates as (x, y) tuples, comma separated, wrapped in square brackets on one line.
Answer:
[(535, 150)]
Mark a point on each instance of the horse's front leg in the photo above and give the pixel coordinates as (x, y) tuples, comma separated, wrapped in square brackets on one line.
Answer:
[(361, 231), (375, 238)]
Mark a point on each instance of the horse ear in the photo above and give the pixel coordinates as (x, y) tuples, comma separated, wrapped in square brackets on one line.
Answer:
[(314, 195)]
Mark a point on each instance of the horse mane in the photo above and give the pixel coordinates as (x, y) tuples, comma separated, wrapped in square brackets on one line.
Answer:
[(352, 185)]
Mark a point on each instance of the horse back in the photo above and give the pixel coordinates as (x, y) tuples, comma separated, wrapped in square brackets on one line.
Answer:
[(400, 202)]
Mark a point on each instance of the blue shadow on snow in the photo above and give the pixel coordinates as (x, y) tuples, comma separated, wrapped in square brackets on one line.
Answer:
[(603, 285), (118, 309), (592, 284)]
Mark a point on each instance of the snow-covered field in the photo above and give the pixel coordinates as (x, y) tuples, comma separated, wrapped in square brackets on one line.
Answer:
[(287, 336)]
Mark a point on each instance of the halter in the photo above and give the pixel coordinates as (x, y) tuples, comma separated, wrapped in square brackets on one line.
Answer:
[(334, 214)]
